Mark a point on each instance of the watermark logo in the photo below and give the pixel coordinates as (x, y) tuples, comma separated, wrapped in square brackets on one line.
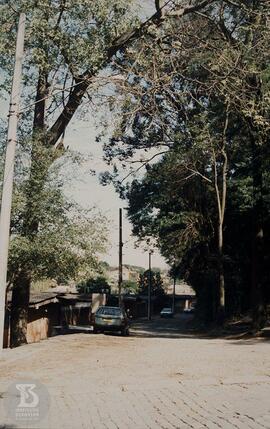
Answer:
[(29, 398), (27, 401)]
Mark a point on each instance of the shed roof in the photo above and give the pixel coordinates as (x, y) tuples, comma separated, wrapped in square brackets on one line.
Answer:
[(38, 297), (81, 297)]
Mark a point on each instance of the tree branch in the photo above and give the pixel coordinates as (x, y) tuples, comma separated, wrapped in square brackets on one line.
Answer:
[(196, 172), (120, 43), (179, 12), (143, 164)]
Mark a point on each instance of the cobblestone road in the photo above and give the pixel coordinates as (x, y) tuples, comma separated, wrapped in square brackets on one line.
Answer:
[(160, 377)]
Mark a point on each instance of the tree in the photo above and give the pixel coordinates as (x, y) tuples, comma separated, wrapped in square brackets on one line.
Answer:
[(130, 286), (157, 287), (94, 285), (207, 59), (67, 242), (181, 214)]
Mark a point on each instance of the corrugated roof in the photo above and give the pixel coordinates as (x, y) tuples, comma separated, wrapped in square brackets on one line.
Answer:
[(41, 296), (75, 297), (37, 297)]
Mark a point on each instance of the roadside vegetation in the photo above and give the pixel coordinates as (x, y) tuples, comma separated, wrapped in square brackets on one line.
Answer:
[(193, 137)]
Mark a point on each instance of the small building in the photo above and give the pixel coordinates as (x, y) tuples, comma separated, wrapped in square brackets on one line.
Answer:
[(49, 311), (43, 314), (135, 304), (185, 296), (75, 309)]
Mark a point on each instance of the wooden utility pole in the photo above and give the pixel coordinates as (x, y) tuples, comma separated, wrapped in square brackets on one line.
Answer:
[(149, 286), (120, 280), (173, 302), (174, 284), (7, 190)]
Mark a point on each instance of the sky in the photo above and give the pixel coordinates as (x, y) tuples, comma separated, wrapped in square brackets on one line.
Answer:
[(88, 192)]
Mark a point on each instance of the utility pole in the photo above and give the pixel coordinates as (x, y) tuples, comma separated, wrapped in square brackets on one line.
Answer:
[(149, 286), (120, 280), (5, 214), (174, 283)]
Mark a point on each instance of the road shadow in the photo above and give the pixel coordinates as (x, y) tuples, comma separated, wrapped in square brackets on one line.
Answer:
[(10, 427), (177, 327), (180, 326), (71, 329), (183, 326)]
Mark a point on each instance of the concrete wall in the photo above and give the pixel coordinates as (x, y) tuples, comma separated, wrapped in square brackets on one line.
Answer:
[(98, 299)]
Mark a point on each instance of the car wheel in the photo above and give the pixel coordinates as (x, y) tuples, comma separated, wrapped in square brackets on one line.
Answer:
[(95, 330)]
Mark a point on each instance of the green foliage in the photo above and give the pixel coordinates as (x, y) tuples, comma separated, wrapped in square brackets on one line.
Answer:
[(52, 237), (130, 286), (63, 34), (63, 41), (206, 67), (157, 287), (68, 240), (94, 285), (175, 211)]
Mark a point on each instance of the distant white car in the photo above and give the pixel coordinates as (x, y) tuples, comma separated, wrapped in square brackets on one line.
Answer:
[(166, 312)]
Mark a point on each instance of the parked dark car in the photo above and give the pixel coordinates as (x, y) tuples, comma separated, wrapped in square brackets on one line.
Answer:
[(111, 319), (166, 312)]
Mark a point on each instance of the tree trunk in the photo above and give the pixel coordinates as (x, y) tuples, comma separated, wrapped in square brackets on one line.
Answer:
[(221, 195), (257, 290), (19, 309), (221, 277), (38, 174)]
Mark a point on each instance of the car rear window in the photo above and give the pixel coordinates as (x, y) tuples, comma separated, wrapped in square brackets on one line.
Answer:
[(109, 311)]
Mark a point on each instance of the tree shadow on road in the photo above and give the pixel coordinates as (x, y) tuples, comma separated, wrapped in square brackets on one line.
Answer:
[(182, 326), (10, 427), (175, 328)]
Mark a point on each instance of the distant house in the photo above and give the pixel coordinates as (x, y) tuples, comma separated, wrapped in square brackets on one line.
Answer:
[(185, 296), (77, 309), (134, 304)]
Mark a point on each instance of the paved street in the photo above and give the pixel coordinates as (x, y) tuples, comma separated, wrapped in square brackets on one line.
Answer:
[(162, 376)]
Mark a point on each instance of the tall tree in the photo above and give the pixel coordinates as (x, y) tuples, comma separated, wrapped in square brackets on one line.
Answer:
[(210, 56)]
